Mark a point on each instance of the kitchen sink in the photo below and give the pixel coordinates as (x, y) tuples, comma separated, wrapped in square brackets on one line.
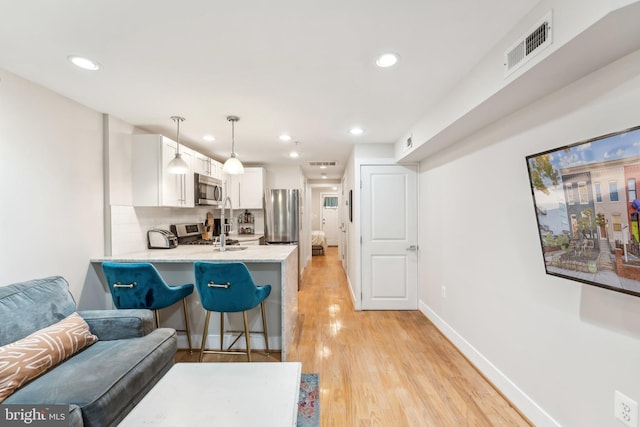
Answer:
[(231, 248)]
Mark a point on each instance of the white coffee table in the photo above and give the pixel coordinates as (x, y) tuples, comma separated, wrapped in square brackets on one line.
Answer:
[(221, 394)]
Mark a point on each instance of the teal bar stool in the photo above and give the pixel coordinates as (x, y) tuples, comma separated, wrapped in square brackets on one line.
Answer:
[(139, 285), (227, 287)]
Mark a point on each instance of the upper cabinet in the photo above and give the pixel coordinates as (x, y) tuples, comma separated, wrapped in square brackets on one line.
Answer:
[(152, 184), (207, 166), (247, 190), (216, 170), (201, 164)]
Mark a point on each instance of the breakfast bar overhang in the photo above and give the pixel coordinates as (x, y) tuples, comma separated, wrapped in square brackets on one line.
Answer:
[(276, 265)]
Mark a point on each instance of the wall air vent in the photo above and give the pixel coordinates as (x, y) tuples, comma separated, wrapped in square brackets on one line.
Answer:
[(323, 163), (533, 42)]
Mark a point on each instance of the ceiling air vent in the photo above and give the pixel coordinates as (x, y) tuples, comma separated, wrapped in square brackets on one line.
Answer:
[(323, 163), (533, 42)]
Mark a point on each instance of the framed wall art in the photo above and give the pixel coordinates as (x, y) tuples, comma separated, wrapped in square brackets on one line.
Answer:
[(587, 204)]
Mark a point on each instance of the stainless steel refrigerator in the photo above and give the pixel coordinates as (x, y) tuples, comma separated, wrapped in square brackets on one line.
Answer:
[(282, 216)]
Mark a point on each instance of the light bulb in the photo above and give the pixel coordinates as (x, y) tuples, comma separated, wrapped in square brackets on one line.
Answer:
[(84, 63), (233, 166), (387, 60), (178, 165)]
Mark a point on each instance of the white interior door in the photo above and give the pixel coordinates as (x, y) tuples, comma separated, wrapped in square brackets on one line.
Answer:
[(389, 237), (329, 220)]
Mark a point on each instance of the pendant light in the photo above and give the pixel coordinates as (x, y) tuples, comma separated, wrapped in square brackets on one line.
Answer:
[(178, 165), (233, 166), (295, 154)]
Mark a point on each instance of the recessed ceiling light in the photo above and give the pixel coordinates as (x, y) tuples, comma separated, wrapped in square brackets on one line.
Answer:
[(209, 138), (356, 131), (334, 188), (324, 176), (323, 167), (387, 60), (84, 63), (285, 137)]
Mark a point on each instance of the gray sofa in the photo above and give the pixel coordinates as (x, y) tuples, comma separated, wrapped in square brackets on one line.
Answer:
[(102, 382)]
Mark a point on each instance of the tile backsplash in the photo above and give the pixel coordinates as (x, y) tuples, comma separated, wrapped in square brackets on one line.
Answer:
[(129, 224)]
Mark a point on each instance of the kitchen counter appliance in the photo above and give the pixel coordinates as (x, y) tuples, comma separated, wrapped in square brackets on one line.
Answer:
[(161, 239), (191, 234), (208, 190), (282, 217)]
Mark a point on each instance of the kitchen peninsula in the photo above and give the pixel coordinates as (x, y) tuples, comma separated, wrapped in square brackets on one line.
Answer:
[(276, 265)]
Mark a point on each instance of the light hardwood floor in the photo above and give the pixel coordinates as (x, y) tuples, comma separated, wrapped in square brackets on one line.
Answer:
[(383, 368)]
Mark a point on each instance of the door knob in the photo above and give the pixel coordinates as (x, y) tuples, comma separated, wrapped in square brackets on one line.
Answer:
[(412, 248)]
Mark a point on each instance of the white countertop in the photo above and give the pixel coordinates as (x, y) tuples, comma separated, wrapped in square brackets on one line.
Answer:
[(191, 253)]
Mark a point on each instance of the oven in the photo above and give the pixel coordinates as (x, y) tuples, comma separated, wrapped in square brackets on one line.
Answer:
[(208, 190)]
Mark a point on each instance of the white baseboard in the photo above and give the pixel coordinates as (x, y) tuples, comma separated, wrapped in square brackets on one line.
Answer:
[(518, 398), (356, 304)]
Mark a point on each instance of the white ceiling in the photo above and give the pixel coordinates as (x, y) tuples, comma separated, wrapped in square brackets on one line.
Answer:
[(302, 67)]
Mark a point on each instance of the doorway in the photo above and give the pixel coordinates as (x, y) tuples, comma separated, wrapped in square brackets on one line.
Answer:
[(329, 217)]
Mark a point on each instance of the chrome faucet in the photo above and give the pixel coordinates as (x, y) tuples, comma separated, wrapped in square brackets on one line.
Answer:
[(222, 225)]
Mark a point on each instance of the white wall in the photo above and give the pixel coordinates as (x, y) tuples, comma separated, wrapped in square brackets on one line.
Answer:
[(586, 36), (284, 177), (362, 154), (557, 348), (353, 234), (51, 187)]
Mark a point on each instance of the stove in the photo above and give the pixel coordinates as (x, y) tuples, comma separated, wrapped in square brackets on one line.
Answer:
[(191, 234), (208, 242)]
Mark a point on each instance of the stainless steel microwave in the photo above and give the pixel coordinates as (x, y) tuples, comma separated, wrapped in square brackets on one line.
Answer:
[(208, 190)]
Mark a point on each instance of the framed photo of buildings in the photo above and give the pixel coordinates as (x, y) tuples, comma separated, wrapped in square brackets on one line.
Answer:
[(587, 203)]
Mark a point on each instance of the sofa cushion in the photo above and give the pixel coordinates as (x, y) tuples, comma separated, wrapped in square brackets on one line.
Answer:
[(33, 355), (108, 379), (119, 324), (30, 306)]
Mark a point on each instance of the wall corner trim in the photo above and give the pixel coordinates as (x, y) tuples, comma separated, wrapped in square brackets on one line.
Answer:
[(511, 391)]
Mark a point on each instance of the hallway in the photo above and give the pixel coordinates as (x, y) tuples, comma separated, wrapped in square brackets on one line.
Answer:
[(385, 368)]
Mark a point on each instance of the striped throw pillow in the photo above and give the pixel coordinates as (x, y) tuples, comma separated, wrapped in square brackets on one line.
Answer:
[(33, 355)]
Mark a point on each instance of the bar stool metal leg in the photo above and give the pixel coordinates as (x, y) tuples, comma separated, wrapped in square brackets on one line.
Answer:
[(246, 335), (264, 329), (187, 324), (204, 334), (221, 331)]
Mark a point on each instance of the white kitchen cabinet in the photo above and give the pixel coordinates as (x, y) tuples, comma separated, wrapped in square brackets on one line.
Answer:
[(207, 166), (202, 164), (216, 170), (247, 190), (152, 184)]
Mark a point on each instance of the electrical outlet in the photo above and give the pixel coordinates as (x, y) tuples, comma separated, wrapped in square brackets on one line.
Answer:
[(625, 409), (443, 291)]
